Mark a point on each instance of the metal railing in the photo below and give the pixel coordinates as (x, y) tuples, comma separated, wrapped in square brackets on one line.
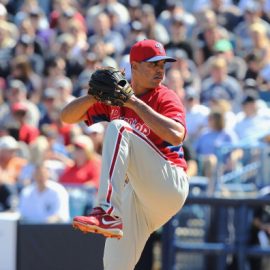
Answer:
[(238, 247), (213, 227), (250, 170)]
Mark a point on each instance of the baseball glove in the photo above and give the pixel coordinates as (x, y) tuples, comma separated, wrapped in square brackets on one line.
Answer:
[(109, 85)]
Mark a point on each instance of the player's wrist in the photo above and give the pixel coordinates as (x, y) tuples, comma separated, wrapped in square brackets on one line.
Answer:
[(90, 98), (131, 102)]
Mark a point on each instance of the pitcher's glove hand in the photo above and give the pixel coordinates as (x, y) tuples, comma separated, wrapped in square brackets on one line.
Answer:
[(109, 85)]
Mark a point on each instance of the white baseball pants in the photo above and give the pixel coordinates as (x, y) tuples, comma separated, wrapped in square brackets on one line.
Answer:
[(155, 192)]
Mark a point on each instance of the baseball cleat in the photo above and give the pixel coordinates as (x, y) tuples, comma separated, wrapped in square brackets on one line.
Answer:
[(99, 222)]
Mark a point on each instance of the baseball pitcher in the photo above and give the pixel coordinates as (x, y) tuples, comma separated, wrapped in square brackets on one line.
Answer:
[(143, 181)]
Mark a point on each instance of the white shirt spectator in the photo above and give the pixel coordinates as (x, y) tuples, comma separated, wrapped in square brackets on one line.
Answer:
[(36, 206), (253, 127), (256, 123), (230, 120), (196, 119)]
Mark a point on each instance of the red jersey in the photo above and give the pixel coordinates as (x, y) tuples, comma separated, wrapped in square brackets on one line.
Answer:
[(163, 101), (90, 171), (28, 133)]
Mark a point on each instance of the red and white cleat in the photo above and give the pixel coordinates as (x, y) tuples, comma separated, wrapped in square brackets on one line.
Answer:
[(99, 222)]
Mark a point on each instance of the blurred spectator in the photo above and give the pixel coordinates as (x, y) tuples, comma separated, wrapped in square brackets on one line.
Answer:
[(100, 7), (207, 18), (64, 89), (79, 33), (115, 21), (26, 132), (188, 70), (225, 107), (196, 114), (172, 14), (17, 92), (152, 28), (220, 85), (26, 46), (135, 34), (41, 25), (190, 156), (62, 12), (263, 79), (87, 165), (134, 10), (55, 68), (63, 17), (206, 35), (21, 69), (10, 163), (261, 49), (236, 65), (114, 42), (253, 122), (90, 64), (49, 102), (64, 131), (8, 25), (178, 36), (24, 8), (263, 4), (32, 21), (7, 42), (242, 32), (27, 29), (100, 49), (228, 15), (260, 40), (199, 5), (210, 141), (44, 201), (64, 48), (175, 82), (254, 62), (206, 42), (96, 133), (31, 10), (37, 151), (56, 151)]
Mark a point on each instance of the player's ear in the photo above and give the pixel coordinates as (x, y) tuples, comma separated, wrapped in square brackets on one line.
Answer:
[(134, 65)]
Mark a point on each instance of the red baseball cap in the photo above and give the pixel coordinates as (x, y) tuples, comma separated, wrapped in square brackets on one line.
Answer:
[(18, 106), (149, 50)]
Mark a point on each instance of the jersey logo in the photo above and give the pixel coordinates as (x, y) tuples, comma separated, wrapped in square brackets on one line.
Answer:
[(115, 113), (141, 127)]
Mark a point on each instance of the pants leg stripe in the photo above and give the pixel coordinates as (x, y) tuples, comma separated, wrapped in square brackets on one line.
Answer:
[(116, 151), (109, 194)]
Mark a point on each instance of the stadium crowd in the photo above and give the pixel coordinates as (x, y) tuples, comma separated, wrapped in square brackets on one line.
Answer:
[(49, 49)]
